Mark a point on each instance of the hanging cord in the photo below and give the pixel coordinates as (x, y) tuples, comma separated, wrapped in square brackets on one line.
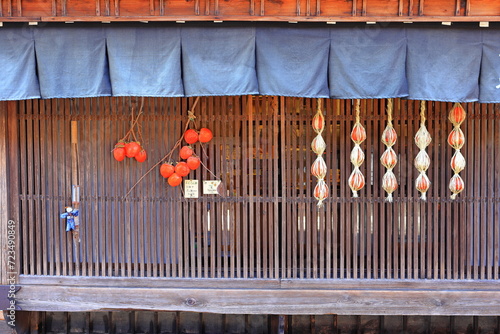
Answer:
[(169, 154), (357, 108), (422, 112), (389, 111)]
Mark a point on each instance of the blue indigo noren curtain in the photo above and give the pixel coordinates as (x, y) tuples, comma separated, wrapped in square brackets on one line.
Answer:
[(144, 60), (420, 62), (72, 61), (368, 61), (18, 80), (218, 61), (444, 64), (293, 62), (490, 67)]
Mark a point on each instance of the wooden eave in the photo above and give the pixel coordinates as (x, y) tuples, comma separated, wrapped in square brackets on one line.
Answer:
[(327, 11)]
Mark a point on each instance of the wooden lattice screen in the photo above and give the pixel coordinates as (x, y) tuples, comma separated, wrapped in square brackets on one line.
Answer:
[(266, 223)]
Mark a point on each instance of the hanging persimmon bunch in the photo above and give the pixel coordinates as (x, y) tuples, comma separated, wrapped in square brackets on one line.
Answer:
[(130, 145), (389, 158), (358, 135), (422, 161), (456, 139), (175, 172), (318, 145)]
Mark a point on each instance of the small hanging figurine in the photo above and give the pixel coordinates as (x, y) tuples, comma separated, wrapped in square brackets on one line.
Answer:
[(422, 160), (358, 135), (69, 215), (318, 145), (456, 139), (389, 158)]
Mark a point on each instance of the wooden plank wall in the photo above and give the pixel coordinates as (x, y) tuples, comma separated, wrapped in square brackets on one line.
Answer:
[(266, 223), (139, 322), (249, 10)]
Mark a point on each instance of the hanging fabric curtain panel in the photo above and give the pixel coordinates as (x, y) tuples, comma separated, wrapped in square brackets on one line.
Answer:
[(349, 61)]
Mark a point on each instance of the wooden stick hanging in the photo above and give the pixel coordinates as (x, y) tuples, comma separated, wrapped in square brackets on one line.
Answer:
[(456, 139), (318, 145), (358, 135), (389, 158), (422, 161)]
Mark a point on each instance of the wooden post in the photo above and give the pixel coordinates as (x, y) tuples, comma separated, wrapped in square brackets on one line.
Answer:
[(75, 188), (4, 216)]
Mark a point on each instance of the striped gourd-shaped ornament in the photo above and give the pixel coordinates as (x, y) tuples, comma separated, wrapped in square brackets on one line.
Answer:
[(318, 145), (358, 135), (422, 161), (456, 139), (389, 158)]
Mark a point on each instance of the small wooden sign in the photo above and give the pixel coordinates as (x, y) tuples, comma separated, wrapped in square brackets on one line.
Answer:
[(210, 187), (191, 189)]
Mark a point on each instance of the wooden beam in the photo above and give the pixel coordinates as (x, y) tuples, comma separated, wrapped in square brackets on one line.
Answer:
[(199, 18), (249, 283), (256, 301)]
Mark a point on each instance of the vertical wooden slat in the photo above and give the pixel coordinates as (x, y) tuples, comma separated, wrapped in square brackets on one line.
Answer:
[(43, 188), (363, 7), (253, 175), (275, 224), (39, 258), (476, 184), (343, 193), (246, 170), (151, 7), (457, 7), (10, 110), (285, 175), (490, 149), (496, 204), (420, 7), (23, 184), (467, 7), (354, 9), (483, 115), (162, 7), (9, 7), (400, 8), (98, 7), (410, 7), (310, 210), (4, 201), (117, 7), (297, 190), (54, 8)]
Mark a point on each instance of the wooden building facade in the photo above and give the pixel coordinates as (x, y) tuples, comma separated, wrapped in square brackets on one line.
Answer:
[(260, 249)]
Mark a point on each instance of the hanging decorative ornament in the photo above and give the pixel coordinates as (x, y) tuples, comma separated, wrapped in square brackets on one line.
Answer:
[(318, 168), (358, 135), (389, 158), (318, 145), (456, 139), (422, 161)]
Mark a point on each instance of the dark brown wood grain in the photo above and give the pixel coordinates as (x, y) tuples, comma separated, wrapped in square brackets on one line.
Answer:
[(266, 224), (239, 10)]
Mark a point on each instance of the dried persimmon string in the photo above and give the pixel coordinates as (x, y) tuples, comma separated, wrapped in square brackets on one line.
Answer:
[(358, 135)]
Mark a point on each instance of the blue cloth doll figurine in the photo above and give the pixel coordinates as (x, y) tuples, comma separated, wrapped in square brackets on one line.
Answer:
[(70, 215)]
